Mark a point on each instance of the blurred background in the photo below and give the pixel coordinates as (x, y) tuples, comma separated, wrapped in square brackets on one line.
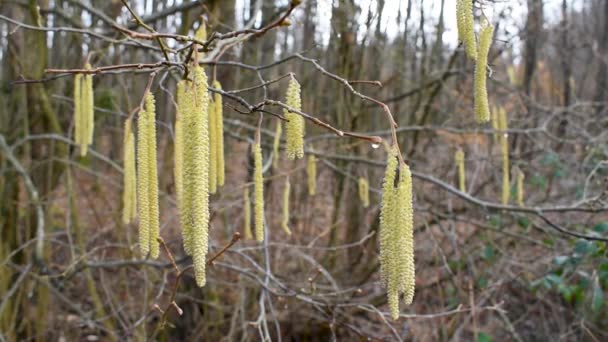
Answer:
[(485, 272)]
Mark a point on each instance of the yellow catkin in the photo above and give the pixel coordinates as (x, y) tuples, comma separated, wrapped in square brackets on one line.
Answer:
[(406, 225), (277, 143), (466, 26), (504, 150), (143, 177), (178, 155), (459, 158), (247, 214), (482, 108), (364, 192), (201, 35), (396, 235), (389, 250), (294, 128), (520, 187), (219, 122), (285, 222), (143, 181), (258, 181), (311, 171), (153, 174), (78, 124), (212, 148), (88, 104), (196, 172), (129, 203)]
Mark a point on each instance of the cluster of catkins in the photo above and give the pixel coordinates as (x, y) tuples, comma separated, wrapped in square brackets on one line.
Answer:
[(294, 149), (199, 163), (477, 51), (397, 233)]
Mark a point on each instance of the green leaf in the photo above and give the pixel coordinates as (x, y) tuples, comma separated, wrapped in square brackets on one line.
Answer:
[(584, 247), (561, 259), (554, 279), (483, 337), (597, 300), (601, 227), (488, 253)]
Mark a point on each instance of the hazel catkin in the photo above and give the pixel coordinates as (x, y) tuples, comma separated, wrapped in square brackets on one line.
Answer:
[(482, 107), (466, 27), (247, 214), (258, 183), (129, 202), (396, 235), (363, 191), (311, 171), (294, 128), (196, 172), (219, 131), (285, 222), (147, 179), (459, 159), (504, 150)]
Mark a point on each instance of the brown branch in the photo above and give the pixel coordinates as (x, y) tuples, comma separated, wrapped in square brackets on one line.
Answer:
[(235, 238)]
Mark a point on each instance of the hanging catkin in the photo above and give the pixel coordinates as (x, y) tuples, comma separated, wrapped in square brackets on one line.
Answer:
[(406, 222), (147, 179), (247, 214), (258, 183), (459, 158), (363, 192), (83, 110), (482, 108), (219, 130), (294, 128), (178, 156), (396, 235), (275, 145), (88, 103), (520, 187), (78, 122), (466, 26), (285, 222), (129, 202), (196, 172), (212, 147), (504, 150), (311, 171)]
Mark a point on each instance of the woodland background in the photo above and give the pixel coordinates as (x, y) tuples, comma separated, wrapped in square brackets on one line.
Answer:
[(484, 271)]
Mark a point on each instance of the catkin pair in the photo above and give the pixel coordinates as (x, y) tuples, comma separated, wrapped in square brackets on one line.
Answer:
[(397, 235), (129, 195), (84, 113), (363, 192), (285, 222), (147, 179), (294, 128), (466, 27), (504, 150), (482, 107), (459, 158), (193, 100), (311, 171), (258, 185)]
